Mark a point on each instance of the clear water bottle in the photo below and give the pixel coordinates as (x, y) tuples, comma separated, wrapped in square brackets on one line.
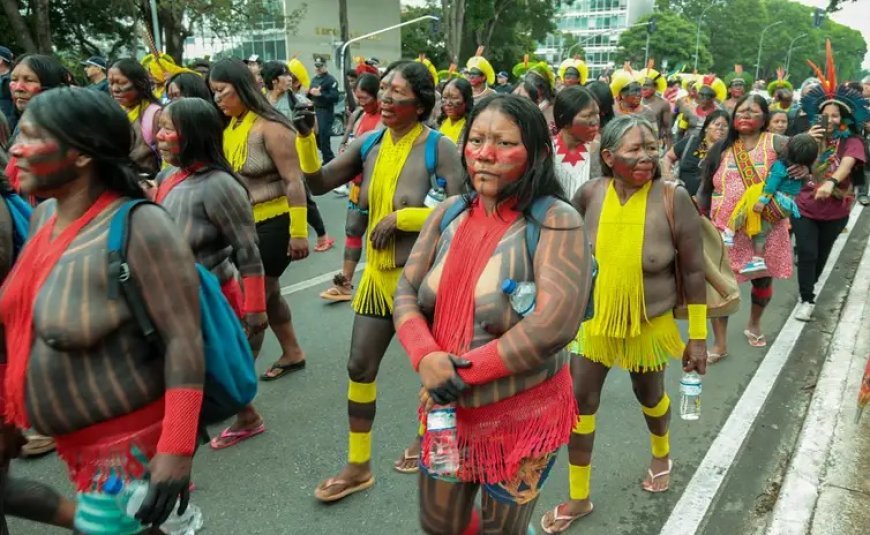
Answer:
[(186, 524), (436, 194), (690, 398), (444, 447), (522, 295)]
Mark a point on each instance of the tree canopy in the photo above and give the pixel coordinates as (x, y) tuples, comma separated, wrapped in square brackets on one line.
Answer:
[(673, 41)]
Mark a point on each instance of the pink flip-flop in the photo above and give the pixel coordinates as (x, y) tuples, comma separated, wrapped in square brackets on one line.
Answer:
[(755, 340), (230, 437)]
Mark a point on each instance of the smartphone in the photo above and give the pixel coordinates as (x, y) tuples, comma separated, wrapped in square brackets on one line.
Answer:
[(823, 122)]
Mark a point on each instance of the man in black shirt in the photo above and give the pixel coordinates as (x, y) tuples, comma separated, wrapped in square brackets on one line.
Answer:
[(502, 85), (324, 93), (95, 70)]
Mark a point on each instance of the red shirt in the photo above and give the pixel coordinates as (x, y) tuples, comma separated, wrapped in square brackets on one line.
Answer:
[(831, 209)]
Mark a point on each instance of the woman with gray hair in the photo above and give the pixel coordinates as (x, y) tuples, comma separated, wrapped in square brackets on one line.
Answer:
[(636, 290)]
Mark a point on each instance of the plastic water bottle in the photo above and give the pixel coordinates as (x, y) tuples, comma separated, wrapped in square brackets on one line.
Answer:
[(436, 194), (186, 524), (690, 399), (522, 295), (444, 447)]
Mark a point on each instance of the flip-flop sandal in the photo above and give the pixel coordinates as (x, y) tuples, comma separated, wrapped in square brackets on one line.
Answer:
[(325, 245), (558, 517), (37, 446), (653, 477), (755, 340), (282, 369), (399, 466), (713, 358), (348, 489), (230, 437), (335, 295)]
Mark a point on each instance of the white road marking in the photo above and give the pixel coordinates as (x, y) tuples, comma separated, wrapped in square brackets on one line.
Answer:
[(691, 509), (314, 281), (797, 499)]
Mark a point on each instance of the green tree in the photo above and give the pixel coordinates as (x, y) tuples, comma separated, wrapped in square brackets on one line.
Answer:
[(673, 40), (571, 46), (424, 38)]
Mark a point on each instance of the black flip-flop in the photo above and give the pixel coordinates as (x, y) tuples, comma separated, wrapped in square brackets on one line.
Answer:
[(284, 369)]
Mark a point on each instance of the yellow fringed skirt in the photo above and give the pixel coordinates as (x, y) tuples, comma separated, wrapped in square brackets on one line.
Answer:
[(659, 340), (374, 296)]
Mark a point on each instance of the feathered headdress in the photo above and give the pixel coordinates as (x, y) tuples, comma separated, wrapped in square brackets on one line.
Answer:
[(621, 78), (714, 83), (432, 70), (739, 74), (828, 92), (577, 64), (482, 64), (537, 68), (448, 74), (781, 82), (654, 76), (362, 66)]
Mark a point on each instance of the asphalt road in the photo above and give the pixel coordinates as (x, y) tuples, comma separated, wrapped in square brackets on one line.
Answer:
[(264, 486)]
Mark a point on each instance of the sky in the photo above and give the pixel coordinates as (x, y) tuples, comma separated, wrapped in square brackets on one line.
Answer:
[(853, 14)]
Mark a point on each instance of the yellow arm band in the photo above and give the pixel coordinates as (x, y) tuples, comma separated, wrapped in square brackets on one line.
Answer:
[(411, 219), (298, 221), (306, 147), (697, 322)]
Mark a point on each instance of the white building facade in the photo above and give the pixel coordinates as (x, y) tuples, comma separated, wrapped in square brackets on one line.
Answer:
[(597, 25)]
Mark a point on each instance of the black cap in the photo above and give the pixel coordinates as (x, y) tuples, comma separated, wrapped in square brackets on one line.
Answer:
[(254, 58), (319, 61), (6, 54), (503, 74), (96, 61)]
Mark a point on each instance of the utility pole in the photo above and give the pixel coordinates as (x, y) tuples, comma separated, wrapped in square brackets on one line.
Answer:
[(650, 28), (790, 47), (761, 44), (344, 30)]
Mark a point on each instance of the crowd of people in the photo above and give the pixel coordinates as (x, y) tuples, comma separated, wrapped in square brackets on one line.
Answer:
[(459, 189)]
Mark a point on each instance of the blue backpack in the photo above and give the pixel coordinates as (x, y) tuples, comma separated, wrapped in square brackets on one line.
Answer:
[(230, 378), (431, 151), (533, 234), (20, 212)]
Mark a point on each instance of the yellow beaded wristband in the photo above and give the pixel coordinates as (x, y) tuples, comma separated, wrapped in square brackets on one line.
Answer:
[(411, 219), (697, 322), (306, 148), (298, 221)]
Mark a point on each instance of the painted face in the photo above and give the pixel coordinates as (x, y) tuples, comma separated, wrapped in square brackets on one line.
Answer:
[(585, 125), (572, 77), (716, 130), (44, 165), (399, 105), (778, 123), (630, 94), (706, 97), (24, 84), (123, 90), (635, 160), (227, 99), (494, 153), (648, 90), (366, 101), (748, 118), (832, 112), (475, 77), (168, 140), (453, 103), (738, 89)]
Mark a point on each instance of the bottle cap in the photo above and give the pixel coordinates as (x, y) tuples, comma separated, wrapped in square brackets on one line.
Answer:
[(113, 485), (509, 286), (442, 182)]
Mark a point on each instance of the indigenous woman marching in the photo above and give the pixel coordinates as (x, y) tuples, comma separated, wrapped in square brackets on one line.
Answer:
[(709, 93), (576, 157), (635, 293), (503, 372), (825, 200), (395, 183), (626, 86), (457, 101), (131, 87), (537, 83), (653, 87), (367, 118), (737, 83), (187, 84), (734, 165), (480, 75), (258, 144), (117, 411), (685, 159)]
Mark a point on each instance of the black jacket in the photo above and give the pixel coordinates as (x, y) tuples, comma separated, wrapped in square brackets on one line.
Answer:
[(328, 91)]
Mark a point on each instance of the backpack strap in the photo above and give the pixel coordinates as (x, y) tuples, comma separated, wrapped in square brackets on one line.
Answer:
[(120, 281), (539, 210), (432, 155), (453, 211), (370, 143)]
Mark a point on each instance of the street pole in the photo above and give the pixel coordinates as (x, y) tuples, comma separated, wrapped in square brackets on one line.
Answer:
[(372, 34), (156, 27), (761, 44), (698, 33), (646, 54), (788, 56)]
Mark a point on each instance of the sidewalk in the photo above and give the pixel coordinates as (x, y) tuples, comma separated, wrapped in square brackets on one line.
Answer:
[(827, 487)]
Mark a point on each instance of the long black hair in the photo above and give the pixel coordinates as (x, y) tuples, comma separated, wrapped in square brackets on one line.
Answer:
[(715, 114), (420, 80), (138, 76), (190, 85), (232, 71), (539, 180), (48, 69), (92, 123), (537, 87), (464, 87), (270, 73), (602, 94), (368, 83), (569, 102)]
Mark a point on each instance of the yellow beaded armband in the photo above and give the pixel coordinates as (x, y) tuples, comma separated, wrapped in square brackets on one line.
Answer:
[(697, 322), (298, 221), (411, 219), (306, 147)]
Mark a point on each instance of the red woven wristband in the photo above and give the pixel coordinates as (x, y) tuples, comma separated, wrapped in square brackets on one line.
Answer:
[(416, 338), (180, 421), (255, 294)]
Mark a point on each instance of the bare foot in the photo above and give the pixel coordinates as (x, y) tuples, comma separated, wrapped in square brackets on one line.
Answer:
[(658, 477), (561, 518), (352, 478)]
